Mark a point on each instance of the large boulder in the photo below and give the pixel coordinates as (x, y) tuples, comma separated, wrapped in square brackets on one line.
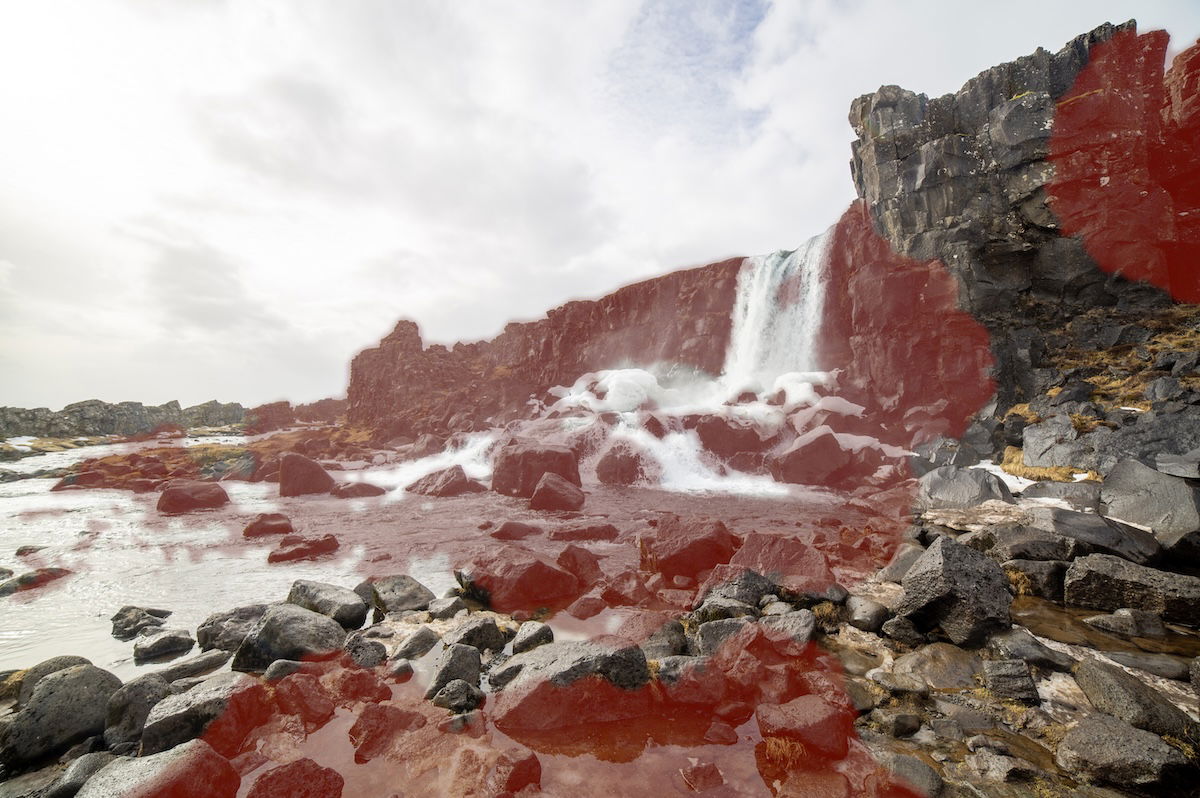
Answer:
[(1104, 582), (65, 707), (511, 578), (1115, 692), (726, 437), (268, 524), (343, 605), (287, 631), (626, 464), (395, 593), (452, 481), (685, 547), (520, 466), (227, 630), (949, 487), (1168, 505), (1104, 749), (301, 778), (224, 709), (128, 707), (1100, 534), (298, 547), (562, 685), (814, 458), (191, 770), (184, 496), (957, 589), (555, 493), (299, 476), (778, 561)]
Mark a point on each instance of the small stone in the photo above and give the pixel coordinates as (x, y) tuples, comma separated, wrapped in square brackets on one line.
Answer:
[(440, 609), (531, 635), (458, 696), (1011, 679)]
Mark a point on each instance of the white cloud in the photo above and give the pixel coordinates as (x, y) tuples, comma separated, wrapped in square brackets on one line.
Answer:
[(231, 198)]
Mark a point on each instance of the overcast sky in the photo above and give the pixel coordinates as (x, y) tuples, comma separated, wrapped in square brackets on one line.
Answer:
[(229, 198)]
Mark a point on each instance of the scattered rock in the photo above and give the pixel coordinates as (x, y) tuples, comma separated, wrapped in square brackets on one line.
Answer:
[(396, 593), (1168, 505), (224, 708), (127, 708), (821, 727), (1129, 622), (480, 632), (687, 546), (417, 644), (555, 493), (160, 645), (941, 666), (286, 631), (65, 707), (301, 778), (268, 524), (1104, 749), (357, 490), (299, 476), (865, 614), (193, 769), (443, 608), (1104, 582), (129, 621), (185, 496), (227, 630), (1117, 693), (451, 481), (344, 606), (957, 589), (1010, 679), (952, 487), (531, 635), (519, 467), (512, 578), (458, 662), (77, 774), (295, 547), (458, 696)]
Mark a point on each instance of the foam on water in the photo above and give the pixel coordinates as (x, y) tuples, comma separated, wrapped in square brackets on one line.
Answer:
[(472, 455)]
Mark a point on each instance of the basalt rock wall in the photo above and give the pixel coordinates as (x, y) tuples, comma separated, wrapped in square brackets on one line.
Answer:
[(94, 417), (1047, 186), (681, 320)]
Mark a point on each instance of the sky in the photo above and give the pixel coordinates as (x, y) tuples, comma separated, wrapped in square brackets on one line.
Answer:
[(229, 198)]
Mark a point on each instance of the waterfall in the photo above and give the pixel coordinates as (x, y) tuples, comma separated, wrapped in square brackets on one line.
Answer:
[(777, 318)]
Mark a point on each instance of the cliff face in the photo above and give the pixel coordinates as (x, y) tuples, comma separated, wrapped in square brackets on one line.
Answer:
[(681, 320), (1047, 186), (94, 417)]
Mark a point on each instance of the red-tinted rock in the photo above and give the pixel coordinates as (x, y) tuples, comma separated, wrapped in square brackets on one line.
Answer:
[(302, 778), (302, 694), (726, 437), (624, 464), (685, 547), (295, 547), (788, 562), (625, 589), (268, 524), (451, 481), (601, 532), (182, 497), (268, 417), (299, 476), (519, 467), (815, 458), (587, 606), (357, 490), (359, 684), (511, 578), (377, 726), (819, 726), (583, 564), (514, 771), (555, 493), (515, 530), (537, 705)]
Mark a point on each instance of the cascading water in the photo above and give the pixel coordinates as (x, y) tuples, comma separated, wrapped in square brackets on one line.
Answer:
[(776, 319)]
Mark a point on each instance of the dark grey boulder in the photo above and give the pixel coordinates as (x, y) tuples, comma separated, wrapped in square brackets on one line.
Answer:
[(949, 487), (1129, 622), (865, 614), (1018, 643), (480, 632), (395, 593), (747, 587), (281, 669), (77, 774), (711, 635), (227, 630), (31, 677), (902, 630), (163, 644), (1164, 665), (239, 701), (366, 653), (1104, 582), (458, 696), (790, 633), (1010, 679), (666, 641), (1017, 542), (1122, 695), (903, 558), (193, 769), (198, 665), (440, 609), (716, 608), (66, 706), (129, 621), (417, 644), (1080, 495), (531, 635), (957, 589), (1102, 535), (1104, 749), (456, 662), (286, 631), (563, 662), (128, 707), (343, 605), (1168, 505), (1185, 465)]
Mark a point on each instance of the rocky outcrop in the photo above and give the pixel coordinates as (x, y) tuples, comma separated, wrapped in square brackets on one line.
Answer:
[(94, 417), (403, 387)]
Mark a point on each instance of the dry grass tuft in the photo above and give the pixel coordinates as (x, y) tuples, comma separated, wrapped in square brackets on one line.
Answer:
[(1023, 410), (785, 753), (1013, 462)]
